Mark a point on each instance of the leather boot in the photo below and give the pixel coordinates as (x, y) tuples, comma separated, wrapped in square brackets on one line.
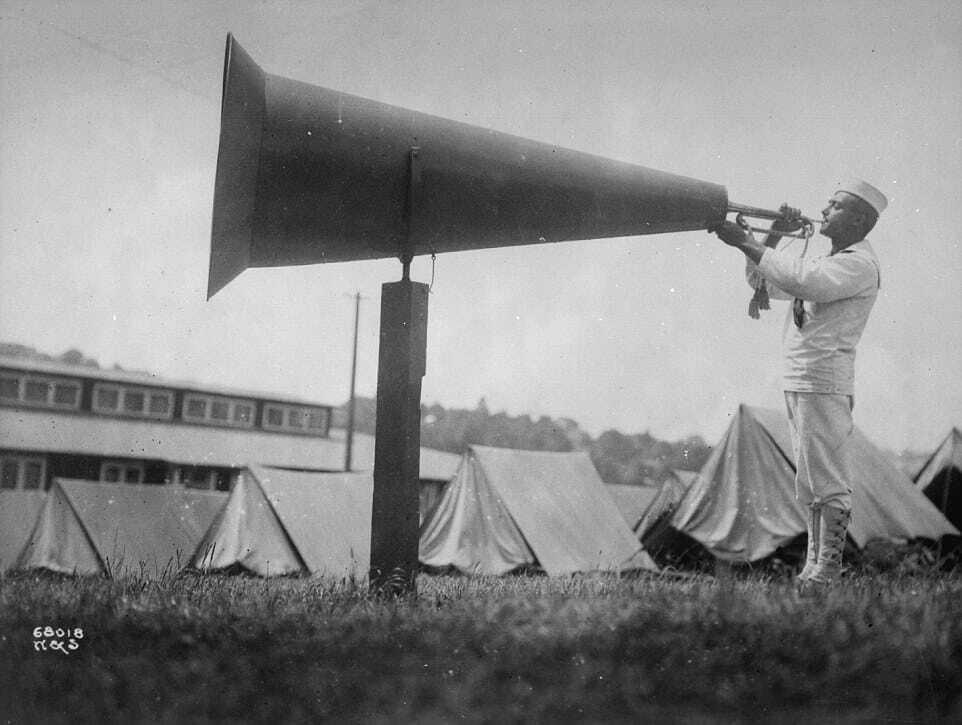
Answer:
[(833, 523), (811, 556)]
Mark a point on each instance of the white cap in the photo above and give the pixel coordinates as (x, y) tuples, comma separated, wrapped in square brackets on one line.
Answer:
[(866, 192)]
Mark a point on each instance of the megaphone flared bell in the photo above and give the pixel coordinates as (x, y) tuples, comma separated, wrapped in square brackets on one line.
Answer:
[(308, 175)]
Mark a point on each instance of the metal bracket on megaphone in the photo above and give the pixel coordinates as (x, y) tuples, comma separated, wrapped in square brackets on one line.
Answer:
[(741, 211)]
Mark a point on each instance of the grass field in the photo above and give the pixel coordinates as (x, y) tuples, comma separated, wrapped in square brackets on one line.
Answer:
[(886, 648)]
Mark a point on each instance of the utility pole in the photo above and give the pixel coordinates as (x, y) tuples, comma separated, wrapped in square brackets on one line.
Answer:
[(349, 440)]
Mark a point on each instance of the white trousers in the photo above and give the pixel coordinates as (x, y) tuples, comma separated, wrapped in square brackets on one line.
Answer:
[(822, 434)]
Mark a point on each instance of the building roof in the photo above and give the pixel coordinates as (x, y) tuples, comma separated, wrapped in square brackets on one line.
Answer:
[(136, 377), (48, 431)]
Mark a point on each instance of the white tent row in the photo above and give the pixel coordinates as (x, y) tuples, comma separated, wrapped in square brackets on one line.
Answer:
[(503, 510), (507, 509), (89, 527), (632, 501), (742, 505), (665, 502), (553, 509), (18, 514), (280, 522), (940, 479), (274, 522)]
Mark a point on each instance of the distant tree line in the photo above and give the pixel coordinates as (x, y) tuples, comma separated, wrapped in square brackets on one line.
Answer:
[(73, 356), (637, 459)]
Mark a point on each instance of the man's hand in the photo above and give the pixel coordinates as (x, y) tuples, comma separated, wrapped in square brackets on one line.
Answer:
[(734, 236), (791, 220), (730, 233)]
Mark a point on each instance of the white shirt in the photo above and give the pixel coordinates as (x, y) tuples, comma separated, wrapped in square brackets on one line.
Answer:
[(839, 291)]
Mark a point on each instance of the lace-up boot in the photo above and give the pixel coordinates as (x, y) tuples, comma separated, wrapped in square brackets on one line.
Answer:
[(833, 524), (811, 556)]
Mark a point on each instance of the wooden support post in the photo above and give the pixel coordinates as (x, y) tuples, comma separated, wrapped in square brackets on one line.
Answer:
[(397, 438)]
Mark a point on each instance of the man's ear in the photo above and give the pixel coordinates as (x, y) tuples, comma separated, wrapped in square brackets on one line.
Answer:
[(863, 222)]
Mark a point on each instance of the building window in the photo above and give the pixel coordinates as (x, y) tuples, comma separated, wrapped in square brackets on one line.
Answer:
[(195, 408), (22, 472), (134, 401), (9, 387), (205, 478), (9, 473), (243, 414), (222, 479), (33, 474), (216, 410), (160, 404), (39, 390), (195, 477), (106, 399), (140, 402), (274, 417), (121, 472), (296, 419), (36, 391), (66, 394)]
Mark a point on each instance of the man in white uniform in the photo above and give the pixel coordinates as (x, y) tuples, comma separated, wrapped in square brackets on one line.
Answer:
[(833, 296)]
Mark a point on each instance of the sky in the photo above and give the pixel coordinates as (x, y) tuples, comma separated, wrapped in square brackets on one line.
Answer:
[(108, 146)]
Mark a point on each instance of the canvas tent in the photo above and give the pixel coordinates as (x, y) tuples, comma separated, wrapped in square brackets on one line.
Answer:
[(507, 509), (18, 514), (435, 470), (742, 505), (87, 527), (940, 479), (666, 500), (280, 522), (632, 501)]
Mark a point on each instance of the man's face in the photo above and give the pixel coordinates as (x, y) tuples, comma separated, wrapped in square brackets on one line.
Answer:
[(839, 217)]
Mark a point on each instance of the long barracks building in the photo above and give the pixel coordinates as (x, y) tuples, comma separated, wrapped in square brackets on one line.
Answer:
[(59, 420)]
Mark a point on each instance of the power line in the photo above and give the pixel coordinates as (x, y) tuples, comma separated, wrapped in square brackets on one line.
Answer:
[(349, 439), (101, 49)]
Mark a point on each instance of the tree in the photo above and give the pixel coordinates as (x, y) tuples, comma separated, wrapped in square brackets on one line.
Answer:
[(636, 459)]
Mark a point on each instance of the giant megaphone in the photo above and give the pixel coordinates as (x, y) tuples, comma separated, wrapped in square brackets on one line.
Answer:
[(308, 175)]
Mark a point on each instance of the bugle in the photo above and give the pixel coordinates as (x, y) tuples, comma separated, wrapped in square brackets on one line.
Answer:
[(741, 211)]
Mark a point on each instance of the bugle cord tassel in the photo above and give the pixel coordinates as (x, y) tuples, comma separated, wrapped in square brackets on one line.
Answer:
[(760, 298)]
